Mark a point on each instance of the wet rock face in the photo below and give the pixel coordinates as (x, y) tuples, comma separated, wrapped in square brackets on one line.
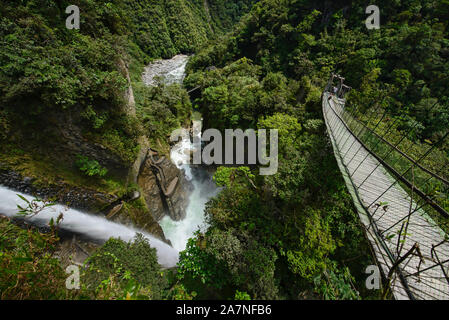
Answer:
[(151, 192), (142, 219), (78, 198), (159, 205), (179, 201), (74, 143)]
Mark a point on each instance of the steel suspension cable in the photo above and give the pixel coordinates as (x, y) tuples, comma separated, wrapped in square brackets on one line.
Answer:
[(412, 166), (389, 153)]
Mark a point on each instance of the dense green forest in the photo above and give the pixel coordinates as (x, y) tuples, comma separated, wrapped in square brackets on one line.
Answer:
[(295, 231), (56, 83), (257, 64)]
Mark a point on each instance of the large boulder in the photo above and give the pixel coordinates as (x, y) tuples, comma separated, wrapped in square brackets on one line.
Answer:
[(160, 205)]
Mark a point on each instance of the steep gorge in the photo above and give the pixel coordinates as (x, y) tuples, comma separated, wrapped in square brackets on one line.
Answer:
[(84, 100)]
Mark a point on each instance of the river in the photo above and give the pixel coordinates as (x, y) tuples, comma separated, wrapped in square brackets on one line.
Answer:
[(178, 232)]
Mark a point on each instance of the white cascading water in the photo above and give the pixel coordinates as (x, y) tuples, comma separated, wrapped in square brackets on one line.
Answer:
[(179, 232), (94, 227), (169, 70), (177, 75)]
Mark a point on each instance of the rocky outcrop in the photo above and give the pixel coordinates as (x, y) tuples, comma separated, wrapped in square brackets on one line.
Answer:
[(164, 187), (159, 205), (136, 214), (142, 211), (141, 157), (179, 200), (74, 143), (130, 106), (71, 249), (153, 198)]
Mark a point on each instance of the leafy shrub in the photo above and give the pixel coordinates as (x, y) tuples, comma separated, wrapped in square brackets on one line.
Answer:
[(336, 285), (223, 259), (28, 269), (163, 108), (241, 296), (123, 270), (90, 167)]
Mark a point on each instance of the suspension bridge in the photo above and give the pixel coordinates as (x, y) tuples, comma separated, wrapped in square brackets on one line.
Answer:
[(410, 248)]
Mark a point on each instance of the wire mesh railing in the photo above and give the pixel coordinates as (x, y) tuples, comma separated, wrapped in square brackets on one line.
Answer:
[(404, 200)]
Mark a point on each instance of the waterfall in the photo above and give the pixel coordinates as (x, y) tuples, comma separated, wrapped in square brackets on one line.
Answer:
[(100, 229), (94, 227), (178, 232), (169, 70)]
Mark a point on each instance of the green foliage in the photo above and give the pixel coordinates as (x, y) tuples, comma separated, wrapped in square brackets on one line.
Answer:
[(55, 80), (269, 74), (90, 167), (27, 268), (162, 109), (241, 296), (289, 130), (222, 259), (316, 244), (97, 120), (336, 286), (225, 176), (269, 237), (117, 270), (162, 29), (226, 13), (194, 261), (236, 95), (179, 292), (123, 270), (288, 36)]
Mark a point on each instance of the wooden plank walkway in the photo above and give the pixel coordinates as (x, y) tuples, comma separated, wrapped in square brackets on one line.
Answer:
[(370, 183)]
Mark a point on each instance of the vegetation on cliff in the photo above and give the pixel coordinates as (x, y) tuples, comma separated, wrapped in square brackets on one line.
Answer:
[(269, 73), (62, 91), (66, 121), (292, 235)]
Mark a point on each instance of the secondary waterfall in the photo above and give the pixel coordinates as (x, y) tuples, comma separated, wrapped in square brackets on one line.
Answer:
[(94, 227), (169, 70), (178, 232)]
